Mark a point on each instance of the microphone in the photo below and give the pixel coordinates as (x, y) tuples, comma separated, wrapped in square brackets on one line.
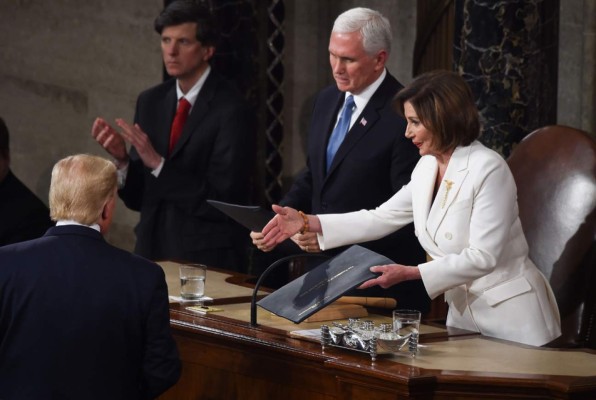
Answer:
[(274, 265)]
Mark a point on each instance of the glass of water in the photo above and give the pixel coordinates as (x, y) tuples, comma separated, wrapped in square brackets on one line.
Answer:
[(407, 323), (192, 281)]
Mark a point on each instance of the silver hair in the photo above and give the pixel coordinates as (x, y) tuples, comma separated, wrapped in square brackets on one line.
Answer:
[(372, 25)]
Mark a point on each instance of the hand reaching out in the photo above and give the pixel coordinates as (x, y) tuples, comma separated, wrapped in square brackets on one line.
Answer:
[(258, 241), (285, 224), (307, 242)]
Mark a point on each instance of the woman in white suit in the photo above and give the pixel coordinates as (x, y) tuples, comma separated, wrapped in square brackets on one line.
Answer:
[(463, 201)]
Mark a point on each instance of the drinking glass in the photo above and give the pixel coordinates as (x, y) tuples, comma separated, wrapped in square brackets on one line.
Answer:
[(192, 281), (407, 323)]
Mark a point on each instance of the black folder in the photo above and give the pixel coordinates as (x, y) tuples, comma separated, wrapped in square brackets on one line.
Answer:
[(324, 284), (252, 217)]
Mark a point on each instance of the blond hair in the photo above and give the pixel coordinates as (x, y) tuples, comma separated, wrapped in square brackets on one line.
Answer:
[(81, 185)]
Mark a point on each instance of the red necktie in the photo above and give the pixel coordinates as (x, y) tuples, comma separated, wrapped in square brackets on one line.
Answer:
[(178, 124)]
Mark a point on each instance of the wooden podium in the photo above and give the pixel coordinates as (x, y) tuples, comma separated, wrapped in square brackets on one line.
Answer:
[(225, 358)]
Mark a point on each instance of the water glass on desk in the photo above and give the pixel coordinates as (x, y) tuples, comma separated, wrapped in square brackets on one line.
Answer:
[(407, 322), (192, 281)]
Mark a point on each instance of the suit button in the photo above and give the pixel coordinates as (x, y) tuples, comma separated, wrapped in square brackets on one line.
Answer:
[(323, 206), (448, 236)]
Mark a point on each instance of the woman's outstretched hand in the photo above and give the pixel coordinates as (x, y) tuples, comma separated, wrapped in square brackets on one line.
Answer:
[(285, 224)]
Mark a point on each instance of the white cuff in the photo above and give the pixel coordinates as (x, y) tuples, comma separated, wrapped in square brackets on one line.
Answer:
[(121, 175), (157, 170)]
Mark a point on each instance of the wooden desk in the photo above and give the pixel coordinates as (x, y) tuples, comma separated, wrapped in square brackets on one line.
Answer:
[(225, 358)]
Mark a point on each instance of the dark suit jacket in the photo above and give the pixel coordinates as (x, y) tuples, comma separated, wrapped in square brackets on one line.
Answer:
[(212, 160), (373, 162), (81, 319), (23, 215)]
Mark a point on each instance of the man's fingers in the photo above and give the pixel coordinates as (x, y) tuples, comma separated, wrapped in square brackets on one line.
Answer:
[(98, 126), (126, 128), (106, 143)]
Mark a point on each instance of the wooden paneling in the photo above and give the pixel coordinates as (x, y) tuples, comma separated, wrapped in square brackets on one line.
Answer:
[(225, 358), (434, 37)]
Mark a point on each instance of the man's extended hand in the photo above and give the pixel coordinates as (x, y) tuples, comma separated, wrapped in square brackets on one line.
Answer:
[(258, 241), (307, 242)]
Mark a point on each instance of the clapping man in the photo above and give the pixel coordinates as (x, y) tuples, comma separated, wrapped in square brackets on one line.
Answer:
[(192, 140)]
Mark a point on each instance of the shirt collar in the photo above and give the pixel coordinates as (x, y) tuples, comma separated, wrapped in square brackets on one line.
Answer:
[(192, 94), (72, 222), (361, 99)]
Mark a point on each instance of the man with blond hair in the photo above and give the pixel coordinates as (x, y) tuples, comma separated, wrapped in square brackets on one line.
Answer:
[(192, 139), (79, 318)]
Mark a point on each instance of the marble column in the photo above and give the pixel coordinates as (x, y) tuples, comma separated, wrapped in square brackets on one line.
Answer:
[(507, 51)]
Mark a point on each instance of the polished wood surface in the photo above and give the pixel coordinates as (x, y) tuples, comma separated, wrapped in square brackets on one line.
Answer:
[(225, 358)]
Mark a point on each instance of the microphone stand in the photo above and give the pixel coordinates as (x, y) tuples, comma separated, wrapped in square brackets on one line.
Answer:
[(274, 265)]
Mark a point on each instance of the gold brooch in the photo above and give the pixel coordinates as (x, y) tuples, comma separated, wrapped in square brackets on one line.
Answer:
[(448, 185)]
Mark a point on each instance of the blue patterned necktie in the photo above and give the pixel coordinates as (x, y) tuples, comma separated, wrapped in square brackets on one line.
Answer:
[(342, 127)]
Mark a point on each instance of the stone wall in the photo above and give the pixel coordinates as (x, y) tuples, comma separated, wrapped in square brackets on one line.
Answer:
[(64, 62)]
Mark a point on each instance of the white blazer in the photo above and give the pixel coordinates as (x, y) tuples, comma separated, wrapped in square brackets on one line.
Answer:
[(473, 233)]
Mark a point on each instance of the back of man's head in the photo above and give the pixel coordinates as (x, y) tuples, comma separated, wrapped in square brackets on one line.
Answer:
[(184, 11), (81, 186), (372, 25)]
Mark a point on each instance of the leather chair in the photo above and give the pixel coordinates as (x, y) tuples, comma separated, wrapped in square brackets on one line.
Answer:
[(555, 171)]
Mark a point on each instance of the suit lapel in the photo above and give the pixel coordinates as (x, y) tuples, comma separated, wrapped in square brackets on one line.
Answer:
[(367, 119), (422, 191), (423, 185), (162, 141), (456, 172), (198, 111)]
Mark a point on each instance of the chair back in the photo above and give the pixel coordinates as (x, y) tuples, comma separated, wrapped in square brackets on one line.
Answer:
[(555, 171)]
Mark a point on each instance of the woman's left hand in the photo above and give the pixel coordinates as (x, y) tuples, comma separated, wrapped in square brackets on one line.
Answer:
[(391, 274), (307, 242)]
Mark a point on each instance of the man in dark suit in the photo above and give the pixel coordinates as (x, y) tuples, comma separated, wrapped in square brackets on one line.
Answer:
[(168, 179), (374, 160), (79, 318), (23, 215)]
